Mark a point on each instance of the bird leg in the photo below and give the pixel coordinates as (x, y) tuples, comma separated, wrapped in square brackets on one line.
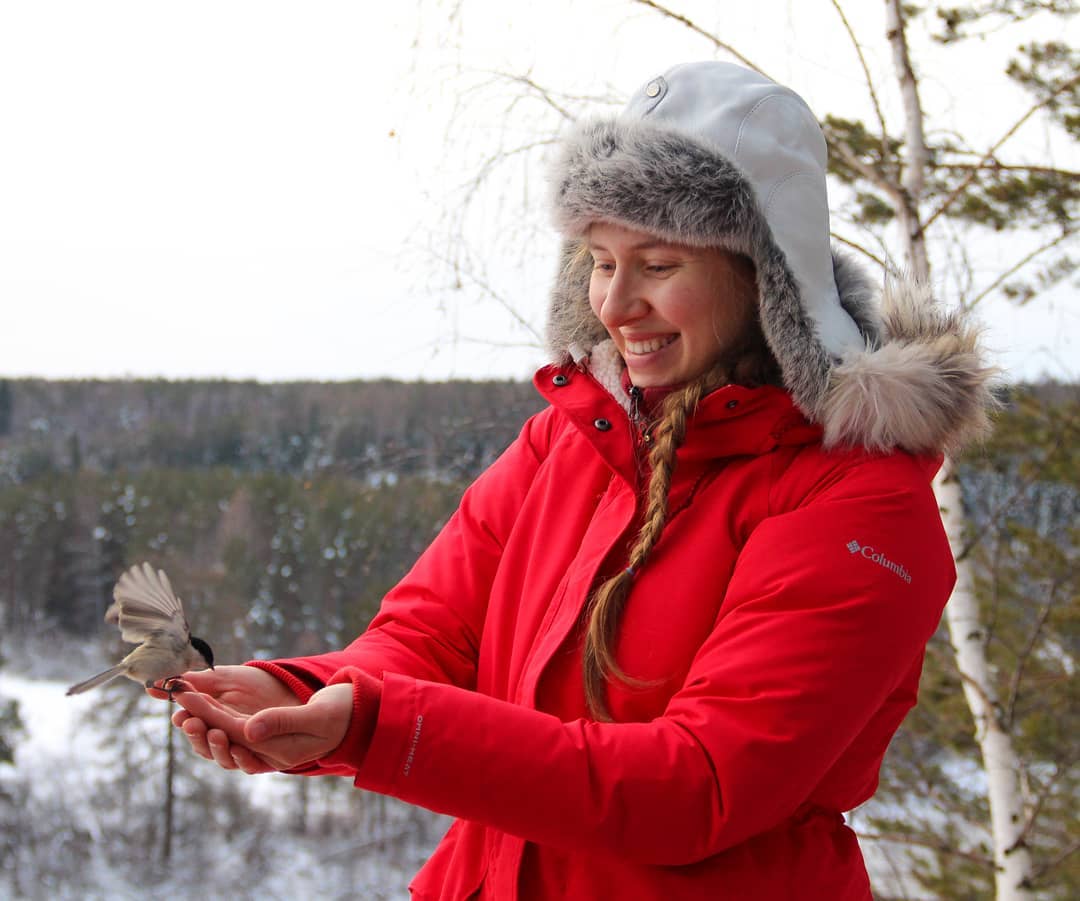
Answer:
[(170, 686)]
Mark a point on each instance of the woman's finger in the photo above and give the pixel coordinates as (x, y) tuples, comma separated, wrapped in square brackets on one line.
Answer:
[(220, 751), (250, 762), (195, 731)]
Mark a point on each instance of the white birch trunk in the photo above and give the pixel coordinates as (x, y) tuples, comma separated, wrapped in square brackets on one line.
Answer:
[(916, 155), (1003, 770), (1014, 867)]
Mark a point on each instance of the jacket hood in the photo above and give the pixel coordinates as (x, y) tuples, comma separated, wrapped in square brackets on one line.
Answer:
[(711, 154)]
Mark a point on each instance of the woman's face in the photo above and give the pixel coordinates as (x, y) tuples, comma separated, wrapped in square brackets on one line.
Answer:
[(671, 310)]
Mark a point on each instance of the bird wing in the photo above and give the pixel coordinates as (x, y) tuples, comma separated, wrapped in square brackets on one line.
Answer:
[(144, 603)]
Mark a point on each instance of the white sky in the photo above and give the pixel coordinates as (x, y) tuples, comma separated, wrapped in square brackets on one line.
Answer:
[(253, 189)]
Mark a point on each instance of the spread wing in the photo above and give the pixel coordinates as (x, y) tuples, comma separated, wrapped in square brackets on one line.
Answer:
[(143, 603)]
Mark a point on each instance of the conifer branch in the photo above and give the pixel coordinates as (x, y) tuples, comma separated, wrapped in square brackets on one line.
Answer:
[(995, 166)]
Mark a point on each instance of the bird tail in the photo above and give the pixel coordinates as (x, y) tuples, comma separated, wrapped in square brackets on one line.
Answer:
[(95, 681)]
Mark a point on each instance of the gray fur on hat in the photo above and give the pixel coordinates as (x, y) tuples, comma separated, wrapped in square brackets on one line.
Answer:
[(712, 154)]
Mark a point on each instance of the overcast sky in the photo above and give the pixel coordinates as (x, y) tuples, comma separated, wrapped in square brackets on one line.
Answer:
[(251, 189)]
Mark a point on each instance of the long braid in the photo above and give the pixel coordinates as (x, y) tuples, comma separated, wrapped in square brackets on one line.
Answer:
[(607, 604)]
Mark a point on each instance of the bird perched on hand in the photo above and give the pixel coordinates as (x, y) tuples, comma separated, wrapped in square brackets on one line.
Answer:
[(150, 614)]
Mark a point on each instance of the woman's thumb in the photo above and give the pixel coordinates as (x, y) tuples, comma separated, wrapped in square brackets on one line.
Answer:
[(273, 722)]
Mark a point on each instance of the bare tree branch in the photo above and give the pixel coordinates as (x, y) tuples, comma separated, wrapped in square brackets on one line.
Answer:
[(851, 159), (1022, 659), (465, 273), (1045, 792), (1049, 865), (869, 81), (697, 29), (1020, 264), (989, 155), (940, 847)]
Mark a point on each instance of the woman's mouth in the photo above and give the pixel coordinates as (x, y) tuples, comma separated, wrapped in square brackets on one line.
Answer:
[(649, 345)]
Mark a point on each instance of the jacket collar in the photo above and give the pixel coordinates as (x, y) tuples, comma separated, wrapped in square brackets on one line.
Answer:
[(730, 422)]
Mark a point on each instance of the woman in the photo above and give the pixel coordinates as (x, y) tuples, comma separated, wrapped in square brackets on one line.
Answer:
[(664, 642)]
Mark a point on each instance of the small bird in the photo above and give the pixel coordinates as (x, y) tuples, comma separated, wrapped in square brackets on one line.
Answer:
[(150, 615)]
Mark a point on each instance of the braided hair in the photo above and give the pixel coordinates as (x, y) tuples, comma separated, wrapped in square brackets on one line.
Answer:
[(750, 363)]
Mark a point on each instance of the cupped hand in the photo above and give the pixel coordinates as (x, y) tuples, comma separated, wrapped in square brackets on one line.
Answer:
[(274, 738), (242, 690)]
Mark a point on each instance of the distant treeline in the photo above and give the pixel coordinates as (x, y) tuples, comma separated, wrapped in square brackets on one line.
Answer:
[(283, 512), (446, 429)]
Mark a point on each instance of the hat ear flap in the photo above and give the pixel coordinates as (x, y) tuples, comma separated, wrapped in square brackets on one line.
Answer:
[(571, 321)]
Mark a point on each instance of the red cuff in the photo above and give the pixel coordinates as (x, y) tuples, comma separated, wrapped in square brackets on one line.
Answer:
[(293, 682), (367, 695)]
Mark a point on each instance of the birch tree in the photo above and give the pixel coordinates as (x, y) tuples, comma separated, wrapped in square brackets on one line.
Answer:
[(926, 191)]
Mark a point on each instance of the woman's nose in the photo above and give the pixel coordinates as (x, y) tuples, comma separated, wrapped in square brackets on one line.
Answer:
[(623, 301)]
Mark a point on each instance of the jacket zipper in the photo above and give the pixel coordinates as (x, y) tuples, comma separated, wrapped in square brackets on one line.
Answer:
[(641, 427)]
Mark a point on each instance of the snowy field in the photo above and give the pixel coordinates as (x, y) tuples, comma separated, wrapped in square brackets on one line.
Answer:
[(81, 814)]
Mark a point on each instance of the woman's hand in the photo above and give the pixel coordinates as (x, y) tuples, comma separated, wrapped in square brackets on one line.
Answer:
[(270, 738), (240, 690)]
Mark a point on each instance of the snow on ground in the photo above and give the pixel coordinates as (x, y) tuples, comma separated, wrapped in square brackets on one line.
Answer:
[(63, 752)]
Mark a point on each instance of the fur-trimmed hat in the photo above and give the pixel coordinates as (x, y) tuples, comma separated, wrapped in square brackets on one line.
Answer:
[(714, 155)]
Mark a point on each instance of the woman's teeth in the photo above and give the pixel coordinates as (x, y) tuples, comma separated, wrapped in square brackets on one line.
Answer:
[(648, 347)]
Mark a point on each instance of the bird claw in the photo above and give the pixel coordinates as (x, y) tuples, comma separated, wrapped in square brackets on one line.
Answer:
[(171, 686)]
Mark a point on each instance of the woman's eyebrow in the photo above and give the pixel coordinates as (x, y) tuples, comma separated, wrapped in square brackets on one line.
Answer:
[(648, 244)]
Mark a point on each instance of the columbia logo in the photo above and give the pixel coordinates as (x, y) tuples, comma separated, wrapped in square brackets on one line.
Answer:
[(879, 558)]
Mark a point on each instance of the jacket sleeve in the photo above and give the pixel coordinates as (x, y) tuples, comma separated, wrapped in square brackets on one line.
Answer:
[(429, 625), (811, 639)]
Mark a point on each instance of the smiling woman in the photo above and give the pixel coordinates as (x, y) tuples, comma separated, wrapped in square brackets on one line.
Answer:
[(643, 660)]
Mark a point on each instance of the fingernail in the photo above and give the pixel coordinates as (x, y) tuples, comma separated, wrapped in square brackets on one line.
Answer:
[(258, 731)]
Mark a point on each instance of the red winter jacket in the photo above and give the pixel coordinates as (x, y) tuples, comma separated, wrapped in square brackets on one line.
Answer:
[(781, 622)]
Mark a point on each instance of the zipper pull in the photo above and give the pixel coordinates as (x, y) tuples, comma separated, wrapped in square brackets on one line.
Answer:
[(636, 417), (635, 403)]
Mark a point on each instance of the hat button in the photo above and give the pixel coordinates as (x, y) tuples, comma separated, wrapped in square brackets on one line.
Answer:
[(653, 89)]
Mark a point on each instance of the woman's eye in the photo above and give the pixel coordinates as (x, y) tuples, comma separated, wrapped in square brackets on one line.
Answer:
[(601, 266), (659, 268)]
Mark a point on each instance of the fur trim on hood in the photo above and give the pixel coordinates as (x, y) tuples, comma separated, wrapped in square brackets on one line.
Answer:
[(711, 154)]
